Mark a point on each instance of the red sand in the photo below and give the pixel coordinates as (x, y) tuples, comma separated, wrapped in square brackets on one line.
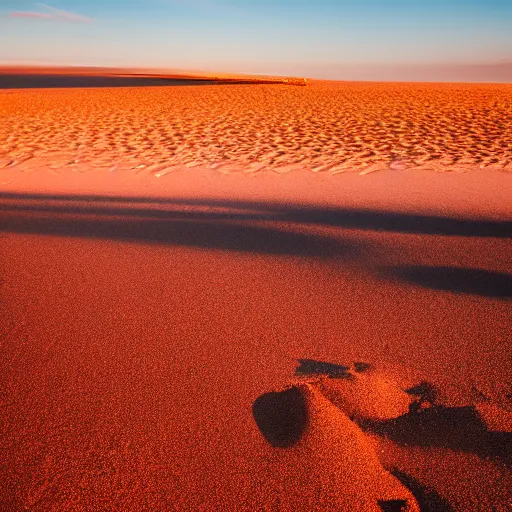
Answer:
[(170, 334), (137, 336)]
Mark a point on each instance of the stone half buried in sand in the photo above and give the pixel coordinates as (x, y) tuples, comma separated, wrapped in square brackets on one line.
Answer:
[(367, 395), (324, 461)]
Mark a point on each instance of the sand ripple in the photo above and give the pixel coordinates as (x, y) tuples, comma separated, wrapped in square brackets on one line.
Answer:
[(327, 126)]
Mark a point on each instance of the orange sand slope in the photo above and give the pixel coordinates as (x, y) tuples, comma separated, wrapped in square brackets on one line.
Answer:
[(299, 342), (328, 126)]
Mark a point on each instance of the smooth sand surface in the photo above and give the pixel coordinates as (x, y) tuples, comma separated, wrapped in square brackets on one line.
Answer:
[(217, 339), (146, 321)]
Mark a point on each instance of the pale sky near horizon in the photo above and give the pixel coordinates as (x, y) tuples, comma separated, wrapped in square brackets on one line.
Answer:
[(340, 39)]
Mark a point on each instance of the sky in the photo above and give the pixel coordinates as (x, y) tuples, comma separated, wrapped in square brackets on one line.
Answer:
[(438, 40)]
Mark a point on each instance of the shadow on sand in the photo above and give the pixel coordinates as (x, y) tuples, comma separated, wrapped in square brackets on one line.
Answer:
[(52, 81), (349, 218), (164, 228), (310, 367), (255, 227), (456, 428), (460, 280), (75, 81), (428, 499), (282, 419)]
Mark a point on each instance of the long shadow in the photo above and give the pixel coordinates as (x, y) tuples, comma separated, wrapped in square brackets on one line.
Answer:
[(350, 218), (460, 280), (208, 234)]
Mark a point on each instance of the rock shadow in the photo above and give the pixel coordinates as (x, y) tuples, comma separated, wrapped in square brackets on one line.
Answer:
[(281, 417)]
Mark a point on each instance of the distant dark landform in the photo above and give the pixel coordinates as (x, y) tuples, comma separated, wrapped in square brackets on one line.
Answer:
[(49, 78)]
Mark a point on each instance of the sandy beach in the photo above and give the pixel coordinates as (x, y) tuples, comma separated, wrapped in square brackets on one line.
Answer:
[(256, 297)]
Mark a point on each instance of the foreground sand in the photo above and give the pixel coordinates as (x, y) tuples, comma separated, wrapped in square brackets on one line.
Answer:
[(195, 342)]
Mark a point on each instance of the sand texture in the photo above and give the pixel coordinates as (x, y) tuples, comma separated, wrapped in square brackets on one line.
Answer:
[(188, 326), (332, 127)]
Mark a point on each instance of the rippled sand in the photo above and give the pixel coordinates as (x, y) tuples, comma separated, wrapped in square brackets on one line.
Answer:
[(326, 126)]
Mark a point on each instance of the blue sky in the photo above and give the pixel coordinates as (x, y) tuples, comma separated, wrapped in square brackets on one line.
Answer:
[(325, 38)]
